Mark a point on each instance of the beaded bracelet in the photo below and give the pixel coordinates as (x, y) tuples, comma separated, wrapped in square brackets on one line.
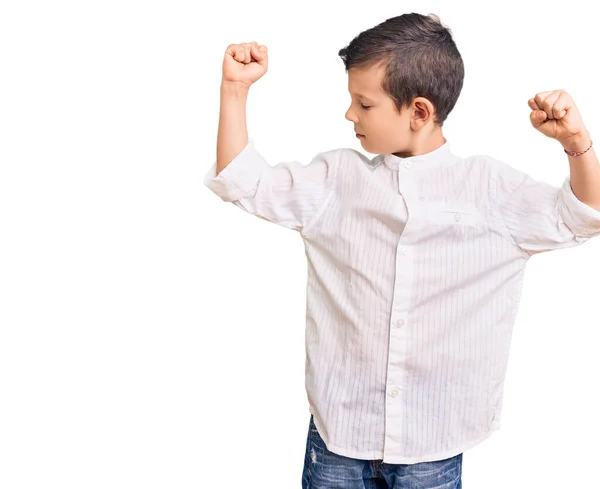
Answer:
[(576, 153)]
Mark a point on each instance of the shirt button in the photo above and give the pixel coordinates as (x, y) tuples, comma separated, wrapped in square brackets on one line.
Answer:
[(407, 164), (457, 216), (399, 323), (405, 251), (394, 393)]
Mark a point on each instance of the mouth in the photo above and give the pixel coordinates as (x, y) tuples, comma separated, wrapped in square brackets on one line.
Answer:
[(360, 135)]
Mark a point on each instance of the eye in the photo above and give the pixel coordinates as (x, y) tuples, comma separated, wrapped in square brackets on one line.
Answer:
[(366, 107)]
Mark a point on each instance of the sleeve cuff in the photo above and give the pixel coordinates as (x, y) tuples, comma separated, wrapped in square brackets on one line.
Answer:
[(581, 218), (240, 177)]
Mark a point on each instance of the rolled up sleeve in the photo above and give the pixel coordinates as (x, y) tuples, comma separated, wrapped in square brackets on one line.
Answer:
[(290, 194), (541, 217)]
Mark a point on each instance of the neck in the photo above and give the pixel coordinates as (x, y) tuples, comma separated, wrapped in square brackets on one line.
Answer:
[(423, 145)]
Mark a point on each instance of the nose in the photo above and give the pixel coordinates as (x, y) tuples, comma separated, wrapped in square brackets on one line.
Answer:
[(350, 117)]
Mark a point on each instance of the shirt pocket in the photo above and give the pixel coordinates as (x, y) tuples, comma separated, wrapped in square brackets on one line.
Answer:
[(456, 218)]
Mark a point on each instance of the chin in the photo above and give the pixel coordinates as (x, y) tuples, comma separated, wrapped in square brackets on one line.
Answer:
[(372, 147), (369, 149)]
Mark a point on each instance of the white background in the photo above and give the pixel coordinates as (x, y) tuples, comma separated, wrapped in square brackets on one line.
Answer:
[(151, 335)]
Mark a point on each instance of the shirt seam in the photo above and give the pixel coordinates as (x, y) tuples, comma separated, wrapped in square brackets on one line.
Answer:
[(497, 215), (331, 192)]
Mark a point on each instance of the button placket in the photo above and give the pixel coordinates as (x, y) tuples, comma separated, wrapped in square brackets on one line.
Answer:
[(398, 347)]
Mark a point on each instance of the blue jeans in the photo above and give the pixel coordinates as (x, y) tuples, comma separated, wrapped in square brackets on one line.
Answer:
[(327, 470)]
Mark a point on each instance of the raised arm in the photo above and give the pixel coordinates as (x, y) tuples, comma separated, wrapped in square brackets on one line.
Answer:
[(243, 64), (233, 132), (289, 193)]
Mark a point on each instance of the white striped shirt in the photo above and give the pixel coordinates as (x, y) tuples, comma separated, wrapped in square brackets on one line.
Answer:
[(415, 268)]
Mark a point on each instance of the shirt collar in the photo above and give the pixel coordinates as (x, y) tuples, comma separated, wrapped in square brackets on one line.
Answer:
[(439, 156)]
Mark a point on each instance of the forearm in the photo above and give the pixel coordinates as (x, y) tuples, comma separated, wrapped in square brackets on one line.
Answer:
[(585, 171), (233, 132)]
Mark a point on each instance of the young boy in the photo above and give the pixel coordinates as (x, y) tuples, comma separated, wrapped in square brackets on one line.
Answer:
[(415, 258)]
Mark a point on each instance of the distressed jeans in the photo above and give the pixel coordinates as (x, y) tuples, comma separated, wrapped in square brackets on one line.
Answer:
[(327, 470)]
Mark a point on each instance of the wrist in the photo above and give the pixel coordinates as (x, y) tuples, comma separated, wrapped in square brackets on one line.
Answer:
[(235, 89), (577, 142)]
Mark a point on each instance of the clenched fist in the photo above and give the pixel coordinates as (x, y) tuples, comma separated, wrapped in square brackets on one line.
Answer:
[(555, 115), (244, 63)]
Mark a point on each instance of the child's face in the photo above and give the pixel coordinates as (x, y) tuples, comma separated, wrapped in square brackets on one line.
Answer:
[(386, 131)]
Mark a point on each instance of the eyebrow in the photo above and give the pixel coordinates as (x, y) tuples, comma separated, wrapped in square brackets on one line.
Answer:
[(364, 96)]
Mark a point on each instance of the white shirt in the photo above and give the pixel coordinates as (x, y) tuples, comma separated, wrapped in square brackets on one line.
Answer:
[(415, 268)]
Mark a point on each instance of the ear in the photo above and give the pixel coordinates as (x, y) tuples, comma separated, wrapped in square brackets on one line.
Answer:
[(423, 110)]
